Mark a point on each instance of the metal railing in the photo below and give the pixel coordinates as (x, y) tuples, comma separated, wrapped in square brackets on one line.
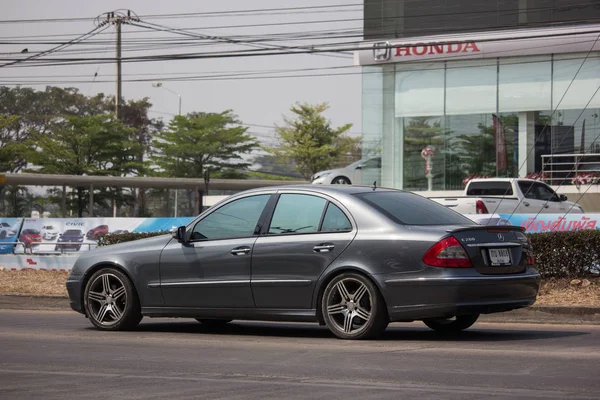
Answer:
[(576, 168), (29, 248)]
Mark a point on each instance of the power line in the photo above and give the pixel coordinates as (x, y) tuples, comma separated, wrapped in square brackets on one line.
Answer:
[(293, 50), (91, 33)]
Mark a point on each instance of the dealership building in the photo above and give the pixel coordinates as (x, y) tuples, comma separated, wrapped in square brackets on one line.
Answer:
[(492, 88)]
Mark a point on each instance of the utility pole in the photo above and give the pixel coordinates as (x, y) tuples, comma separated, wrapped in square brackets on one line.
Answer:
[(119, 79), (117, 18)]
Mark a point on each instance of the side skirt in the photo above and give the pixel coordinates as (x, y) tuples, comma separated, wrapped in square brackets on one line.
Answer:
[(259, 314)]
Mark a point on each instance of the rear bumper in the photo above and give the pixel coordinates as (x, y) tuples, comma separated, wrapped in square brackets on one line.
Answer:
[(439, 297)]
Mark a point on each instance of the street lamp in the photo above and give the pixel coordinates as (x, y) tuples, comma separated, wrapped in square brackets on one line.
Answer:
[(160, 85)]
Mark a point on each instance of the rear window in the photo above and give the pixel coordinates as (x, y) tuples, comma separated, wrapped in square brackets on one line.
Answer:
[(411, 209), (489, 189)]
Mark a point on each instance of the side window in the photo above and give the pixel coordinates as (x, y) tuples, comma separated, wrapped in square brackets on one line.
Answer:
[(528, 190), (297, 213), (335, 220), (545, 193), (235, 219)]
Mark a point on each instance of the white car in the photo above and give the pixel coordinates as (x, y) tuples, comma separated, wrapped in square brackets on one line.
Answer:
[(49, 232), (352, 174), (7, 231)]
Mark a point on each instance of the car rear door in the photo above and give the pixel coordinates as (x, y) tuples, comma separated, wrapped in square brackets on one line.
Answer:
[(212, 269), (306, 233)]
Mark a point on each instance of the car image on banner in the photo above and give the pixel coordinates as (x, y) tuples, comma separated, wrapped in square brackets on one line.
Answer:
[(9, 231)]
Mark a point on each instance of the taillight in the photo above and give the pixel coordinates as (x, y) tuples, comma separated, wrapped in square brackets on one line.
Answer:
[(449, 253), (480, 207), (530, 255)]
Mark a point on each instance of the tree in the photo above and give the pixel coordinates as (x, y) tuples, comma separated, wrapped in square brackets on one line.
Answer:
[(9, 148), (202, 141), (199, 141), (310, 141), (134, 113), (27, 111), (94, 145)]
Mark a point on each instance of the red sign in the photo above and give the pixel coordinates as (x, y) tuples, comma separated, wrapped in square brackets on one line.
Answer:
[(420, 49)]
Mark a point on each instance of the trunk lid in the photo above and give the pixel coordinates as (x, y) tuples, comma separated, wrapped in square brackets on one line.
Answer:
[(494, 250)]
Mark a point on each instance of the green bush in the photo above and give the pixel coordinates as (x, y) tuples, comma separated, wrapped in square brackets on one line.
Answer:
[(570, 254), (114, 238)]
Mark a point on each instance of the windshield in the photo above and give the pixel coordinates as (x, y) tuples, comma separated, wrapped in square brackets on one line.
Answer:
[(411, 209), (72, 232)]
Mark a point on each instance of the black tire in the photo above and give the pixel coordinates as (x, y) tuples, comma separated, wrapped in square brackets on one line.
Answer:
[(451, 325), (213, 323), (129, 309), (332, 300), (341, 180)]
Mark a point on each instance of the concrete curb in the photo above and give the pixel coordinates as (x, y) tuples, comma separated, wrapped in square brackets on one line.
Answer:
[(535, 314)]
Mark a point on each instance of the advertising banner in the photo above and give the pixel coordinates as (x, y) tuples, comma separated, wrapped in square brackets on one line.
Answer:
[(553, 222), (74, 235), (9, 233)]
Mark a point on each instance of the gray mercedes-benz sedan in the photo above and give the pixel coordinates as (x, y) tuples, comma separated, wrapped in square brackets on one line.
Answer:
[(349, 257)]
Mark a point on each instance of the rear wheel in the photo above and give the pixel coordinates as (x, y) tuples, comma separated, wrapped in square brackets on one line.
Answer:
[(111, 302), (353, 308), (213, 322), (451, 325)]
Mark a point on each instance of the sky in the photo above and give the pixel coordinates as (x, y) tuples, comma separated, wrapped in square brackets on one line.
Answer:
[(261, 103)]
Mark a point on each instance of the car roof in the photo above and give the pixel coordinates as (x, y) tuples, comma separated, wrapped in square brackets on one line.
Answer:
[(323, 189)]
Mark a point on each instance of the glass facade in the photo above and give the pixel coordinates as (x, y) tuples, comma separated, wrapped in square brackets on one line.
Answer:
[(493, 117), (386, 19)]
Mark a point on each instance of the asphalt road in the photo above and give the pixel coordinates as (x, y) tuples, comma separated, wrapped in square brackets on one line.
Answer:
[(57, 355)]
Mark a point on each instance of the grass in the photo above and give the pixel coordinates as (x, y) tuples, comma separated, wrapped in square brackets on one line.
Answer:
[(558, 292)]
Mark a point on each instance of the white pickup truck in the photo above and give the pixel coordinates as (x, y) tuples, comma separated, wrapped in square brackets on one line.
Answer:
[(508, 196)]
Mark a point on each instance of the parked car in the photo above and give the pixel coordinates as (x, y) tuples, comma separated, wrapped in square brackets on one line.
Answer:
[(97, 232), (49, 232), (120, 231), (29, 237), (352, 174), (349, 257), (508, 196), (70, 240), (7, 231)]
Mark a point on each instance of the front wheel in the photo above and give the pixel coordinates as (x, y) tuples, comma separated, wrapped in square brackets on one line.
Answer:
[(451, 325), (341, 180), (111, 302), (353, 308)]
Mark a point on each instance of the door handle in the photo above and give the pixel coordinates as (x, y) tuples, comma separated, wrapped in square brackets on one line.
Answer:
[(546, 206), (526, 204), (323, 247), (240, 251)]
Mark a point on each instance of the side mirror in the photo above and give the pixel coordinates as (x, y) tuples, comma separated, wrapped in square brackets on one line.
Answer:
[(359, 166), (563, 197), (179, 234)]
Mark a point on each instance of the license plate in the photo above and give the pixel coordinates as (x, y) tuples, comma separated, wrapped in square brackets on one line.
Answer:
[(499, 256)]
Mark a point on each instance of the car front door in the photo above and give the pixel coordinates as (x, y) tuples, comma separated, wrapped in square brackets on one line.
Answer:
[(306, 233), (212, 269)]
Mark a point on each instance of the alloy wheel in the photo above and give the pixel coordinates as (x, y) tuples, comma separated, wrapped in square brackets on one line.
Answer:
[(349, 305), (107, 299)]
